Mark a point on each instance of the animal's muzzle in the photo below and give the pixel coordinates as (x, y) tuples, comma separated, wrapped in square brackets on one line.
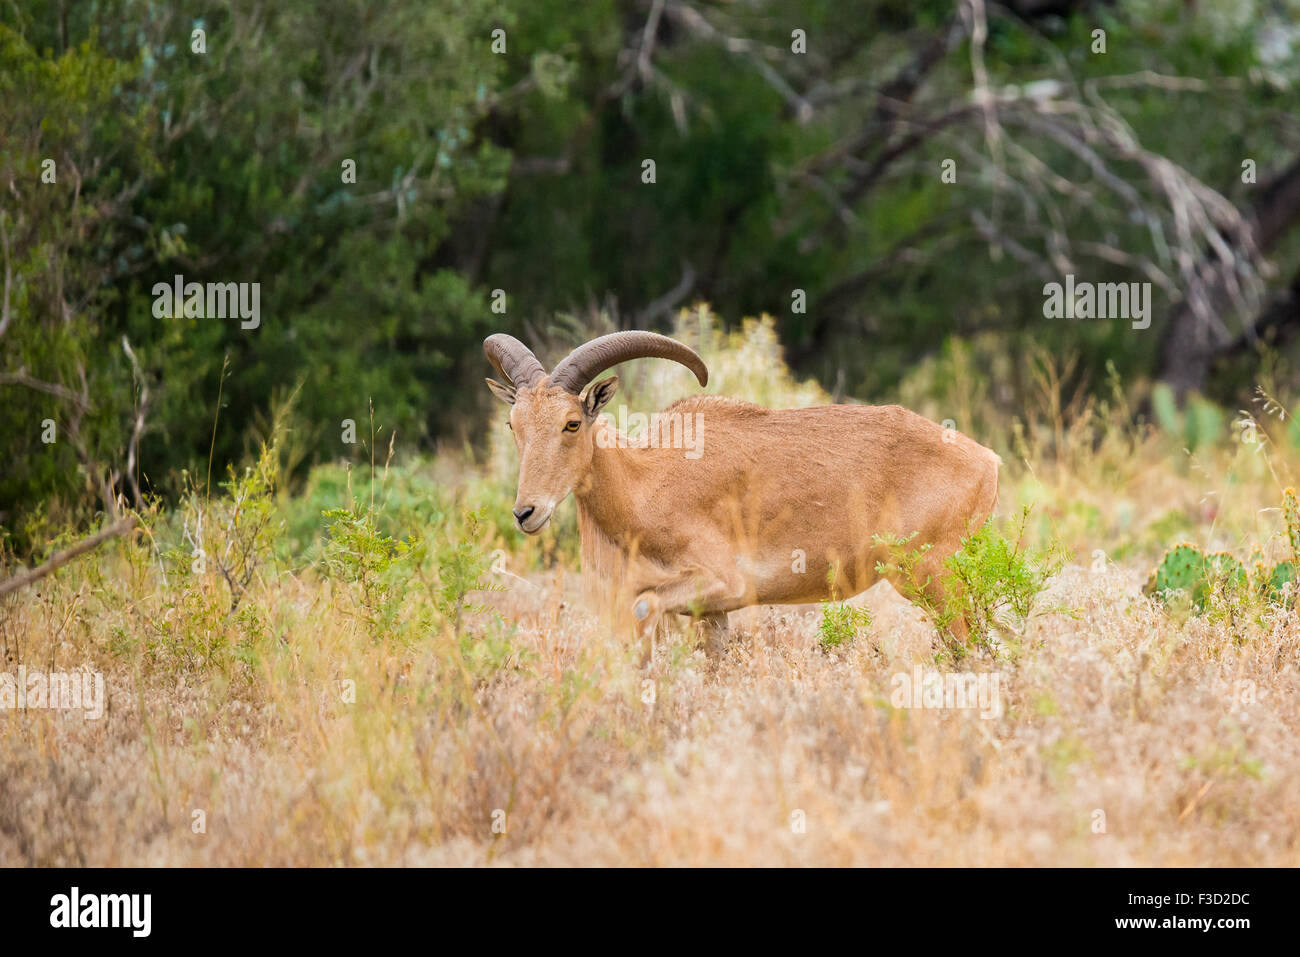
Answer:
[(531, 518)]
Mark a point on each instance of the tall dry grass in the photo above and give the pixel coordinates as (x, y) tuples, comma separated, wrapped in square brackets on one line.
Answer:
[(358, 706)]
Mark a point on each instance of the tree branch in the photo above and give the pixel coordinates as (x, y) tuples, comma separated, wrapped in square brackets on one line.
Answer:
[(23, 579)]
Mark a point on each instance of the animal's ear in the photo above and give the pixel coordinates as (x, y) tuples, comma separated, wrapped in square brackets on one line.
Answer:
[(599, 394), (502, 391)]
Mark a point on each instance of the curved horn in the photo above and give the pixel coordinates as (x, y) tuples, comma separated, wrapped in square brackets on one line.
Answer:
[(592, 358), (513, 360)]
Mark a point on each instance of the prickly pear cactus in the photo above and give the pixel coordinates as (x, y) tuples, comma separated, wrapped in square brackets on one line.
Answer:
[(1199, 576), (1182, 567), (1221, 571), (1271, 582), (1291, 511), (1261, 576)]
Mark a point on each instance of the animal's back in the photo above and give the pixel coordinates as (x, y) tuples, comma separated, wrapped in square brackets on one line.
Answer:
[(814, 486), (822, 456)]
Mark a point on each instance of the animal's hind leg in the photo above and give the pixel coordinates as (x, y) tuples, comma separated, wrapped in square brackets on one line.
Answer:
[(943, 599), (714, 630), (937, 599)]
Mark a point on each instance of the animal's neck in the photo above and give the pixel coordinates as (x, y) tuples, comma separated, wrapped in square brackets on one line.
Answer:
[(607, 493)]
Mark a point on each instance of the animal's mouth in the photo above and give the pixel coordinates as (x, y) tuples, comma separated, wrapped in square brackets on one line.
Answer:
[(537, 521)]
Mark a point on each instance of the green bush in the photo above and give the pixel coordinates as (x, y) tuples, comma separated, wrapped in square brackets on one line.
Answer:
[(840, 624), (992, 581), (380, 566), (998, 580)]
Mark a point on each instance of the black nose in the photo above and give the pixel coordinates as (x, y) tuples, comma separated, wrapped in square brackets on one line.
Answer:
[(521, 514)]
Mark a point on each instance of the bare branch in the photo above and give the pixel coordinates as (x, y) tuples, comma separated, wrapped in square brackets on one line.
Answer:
[(696, 22), (4, 315), (23, 579), (23, 378), (671, 298), (138, 430)]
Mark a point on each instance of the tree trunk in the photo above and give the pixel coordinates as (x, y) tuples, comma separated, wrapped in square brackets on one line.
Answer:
[(1189, 347)]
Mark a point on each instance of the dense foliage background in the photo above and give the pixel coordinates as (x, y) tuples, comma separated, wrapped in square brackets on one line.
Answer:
[(311, 654), (799, 149)]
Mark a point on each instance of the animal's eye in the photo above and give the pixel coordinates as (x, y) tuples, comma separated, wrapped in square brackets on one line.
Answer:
[(572, 426)]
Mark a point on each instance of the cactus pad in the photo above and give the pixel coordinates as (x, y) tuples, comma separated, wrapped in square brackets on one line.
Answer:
[(1181, 569), (1271, 583), (1291, 511)]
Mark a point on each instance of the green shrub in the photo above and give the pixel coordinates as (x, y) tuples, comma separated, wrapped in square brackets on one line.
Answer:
[(213, 550), (840, 624), (462, 563), (995, 581), (903, 568), (381, 566)]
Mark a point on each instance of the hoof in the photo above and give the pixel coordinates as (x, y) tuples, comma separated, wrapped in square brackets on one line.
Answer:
[(645, 611)]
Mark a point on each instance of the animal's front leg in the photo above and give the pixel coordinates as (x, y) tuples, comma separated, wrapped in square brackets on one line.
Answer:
[(694, 591), (647, 612)]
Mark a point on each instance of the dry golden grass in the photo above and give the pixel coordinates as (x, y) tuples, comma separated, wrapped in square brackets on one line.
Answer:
[(1127, 736), (1181, 736)]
